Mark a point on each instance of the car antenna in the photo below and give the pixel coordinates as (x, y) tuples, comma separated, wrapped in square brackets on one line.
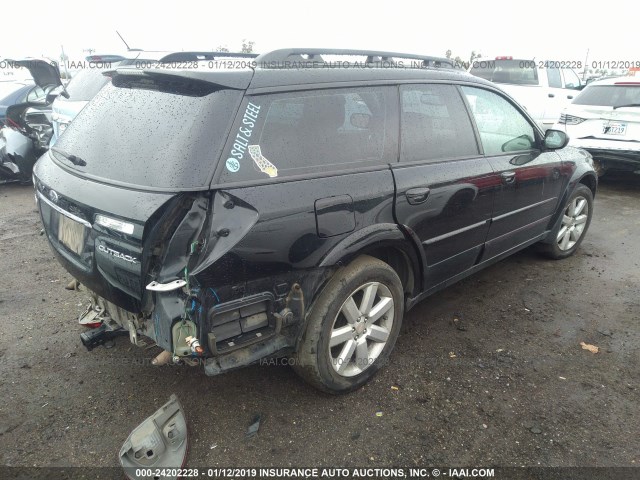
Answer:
[(125, 43), (63, 58)]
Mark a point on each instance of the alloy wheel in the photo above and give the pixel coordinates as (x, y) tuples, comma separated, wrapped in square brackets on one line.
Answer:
[(361, 329), (574, 221)]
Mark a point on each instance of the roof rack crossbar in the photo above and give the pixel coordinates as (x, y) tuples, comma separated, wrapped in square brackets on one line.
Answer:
[(279, 57)]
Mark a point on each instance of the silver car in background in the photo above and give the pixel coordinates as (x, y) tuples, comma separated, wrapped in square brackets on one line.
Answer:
[(83, 87), (87, 82)]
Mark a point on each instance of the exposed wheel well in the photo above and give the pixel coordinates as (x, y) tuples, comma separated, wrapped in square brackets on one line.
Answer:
[(399, 261)]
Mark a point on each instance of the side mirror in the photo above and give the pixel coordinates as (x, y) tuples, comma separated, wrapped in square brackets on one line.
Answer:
[(555, 139)]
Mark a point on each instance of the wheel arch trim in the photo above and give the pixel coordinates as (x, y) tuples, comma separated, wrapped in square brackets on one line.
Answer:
[(571, 188), (376, 237)]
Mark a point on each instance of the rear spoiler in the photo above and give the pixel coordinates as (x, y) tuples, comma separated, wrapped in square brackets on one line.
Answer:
[(104, 58), (229, 79), (198, 56)]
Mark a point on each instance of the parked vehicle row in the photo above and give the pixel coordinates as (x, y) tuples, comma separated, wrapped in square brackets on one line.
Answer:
[(602, 116), (40, 114), (15, 92), (233, 215), (605, 120), (27, 129), (543, 87)]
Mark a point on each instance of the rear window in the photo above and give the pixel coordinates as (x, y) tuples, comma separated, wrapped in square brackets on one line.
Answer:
[(609, 95), (514, 72), (162, 133), (85, 85)]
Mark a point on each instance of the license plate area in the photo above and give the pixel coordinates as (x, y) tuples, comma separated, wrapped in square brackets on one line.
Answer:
[(614, 128), (71, 234)]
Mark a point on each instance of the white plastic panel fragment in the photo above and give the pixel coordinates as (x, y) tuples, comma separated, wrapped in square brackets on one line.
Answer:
[(158, 442)]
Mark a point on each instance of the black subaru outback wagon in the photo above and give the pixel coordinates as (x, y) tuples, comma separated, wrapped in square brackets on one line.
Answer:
[(299, 206)]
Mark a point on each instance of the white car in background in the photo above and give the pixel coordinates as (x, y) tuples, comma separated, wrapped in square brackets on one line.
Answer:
[(604, 119), (543, 87)]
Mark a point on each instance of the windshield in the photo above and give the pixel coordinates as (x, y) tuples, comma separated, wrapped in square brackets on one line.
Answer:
[(514, 72), (609, 95), (162, 133)]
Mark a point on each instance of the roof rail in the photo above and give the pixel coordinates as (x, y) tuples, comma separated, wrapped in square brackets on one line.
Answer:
[(197, 56), (301, 56)]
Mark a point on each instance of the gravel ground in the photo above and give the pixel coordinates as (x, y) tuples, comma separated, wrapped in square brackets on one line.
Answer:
[(508, 385)]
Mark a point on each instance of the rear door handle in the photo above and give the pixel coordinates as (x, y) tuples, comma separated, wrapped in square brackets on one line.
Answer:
[(551, 95), (508, 177), (570, 97), (418, 195)]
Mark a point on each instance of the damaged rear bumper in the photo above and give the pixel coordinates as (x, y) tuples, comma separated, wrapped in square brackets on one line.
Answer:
[(228, 336)]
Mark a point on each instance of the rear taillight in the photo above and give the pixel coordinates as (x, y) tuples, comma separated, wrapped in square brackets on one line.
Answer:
[(115, 224), (504, 58), (570, 119)]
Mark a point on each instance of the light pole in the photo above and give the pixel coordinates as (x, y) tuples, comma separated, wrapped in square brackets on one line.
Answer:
[(586, 59)]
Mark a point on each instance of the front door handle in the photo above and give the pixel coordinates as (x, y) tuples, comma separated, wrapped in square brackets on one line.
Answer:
[(418, 195), (551, 95), (508, 177), (570, 97)]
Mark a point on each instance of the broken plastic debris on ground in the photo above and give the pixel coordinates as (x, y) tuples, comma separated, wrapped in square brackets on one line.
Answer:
[(254, 427)]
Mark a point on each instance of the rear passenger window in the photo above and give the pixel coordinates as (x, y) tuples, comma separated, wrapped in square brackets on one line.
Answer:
[(435, 124), (553, 74), (305, 132), (502, 127)]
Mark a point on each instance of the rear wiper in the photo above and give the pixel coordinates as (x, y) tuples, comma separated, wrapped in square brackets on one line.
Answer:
[(627, 105), (72, 158)]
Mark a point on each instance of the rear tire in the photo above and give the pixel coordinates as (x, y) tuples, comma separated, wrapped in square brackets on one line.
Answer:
[(352, 327), (571, 229)]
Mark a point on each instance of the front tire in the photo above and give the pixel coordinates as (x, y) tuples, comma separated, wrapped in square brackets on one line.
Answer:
[(571, 229), (352, 327)]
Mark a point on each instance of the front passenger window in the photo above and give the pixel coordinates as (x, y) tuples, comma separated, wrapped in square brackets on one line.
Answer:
[(502, 127)]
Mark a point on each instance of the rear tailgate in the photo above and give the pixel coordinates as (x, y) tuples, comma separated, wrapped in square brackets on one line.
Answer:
[(97, 230), (146, 140)]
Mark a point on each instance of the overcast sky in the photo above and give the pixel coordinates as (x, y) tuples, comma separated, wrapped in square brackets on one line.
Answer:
[(559, 30)]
